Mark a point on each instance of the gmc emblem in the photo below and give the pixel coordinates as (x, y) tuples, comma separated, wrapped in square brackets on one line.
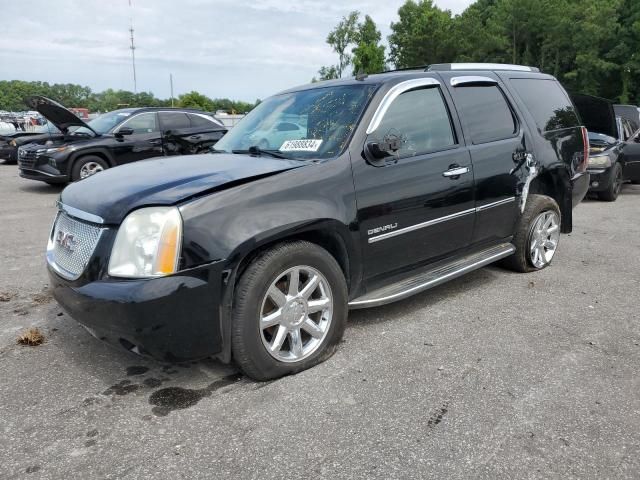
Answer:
[(65, 240)]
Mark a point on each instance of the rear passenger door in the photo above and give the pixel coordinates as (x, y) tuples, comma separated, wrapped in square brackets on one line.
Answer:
[(494, 137), (412, 208), (173, 125), (631, 157)]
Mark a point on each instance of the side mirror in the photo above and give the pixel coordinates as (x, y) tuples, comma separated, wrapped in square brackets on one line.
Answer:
[(376, 153), (124, 131)]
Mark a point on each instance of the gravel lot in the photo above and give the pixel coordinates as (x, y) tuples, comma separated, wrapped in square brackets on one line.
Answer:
[(493, 375)]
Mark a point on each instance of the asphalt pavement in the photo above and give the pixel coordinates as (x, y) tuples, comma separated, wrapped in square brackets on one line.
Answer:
[(493, 375)]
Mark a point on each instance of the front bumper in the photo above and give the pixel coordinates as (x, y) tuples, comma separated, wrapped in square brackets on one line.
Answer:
[(579, 187), (33, 174), (175, 318), (600, 179)]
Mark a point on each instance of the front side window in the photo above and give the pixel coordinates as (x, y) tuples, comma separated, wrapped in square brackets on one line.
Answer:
[(314, 123), (485, 113), (419, 120), (143, 123)]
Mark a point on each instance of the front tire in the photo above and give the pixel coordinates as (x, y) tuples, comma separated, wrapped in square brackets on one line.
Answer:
[(614, 186), (290, 311), (537, 235), (87, 166)]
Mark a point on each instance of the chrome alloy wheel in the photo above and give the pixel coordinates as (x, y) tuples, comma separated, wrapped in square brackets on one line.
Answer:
[(296, 314), (544, 237), (90, 168)]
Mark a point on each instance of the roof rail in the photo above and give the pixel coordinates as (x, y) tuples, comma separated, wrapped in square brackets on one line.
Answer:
[(480, 66), (421, 68)]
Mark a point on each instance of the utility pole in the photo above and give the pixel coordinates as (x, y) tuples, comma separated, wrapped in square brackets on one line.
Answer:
[(171, 85), (133, 53)]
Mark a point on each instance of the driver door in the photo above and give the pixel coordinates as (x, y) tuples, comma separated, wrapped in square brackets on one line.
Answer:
[(412, 209), (144, 142)]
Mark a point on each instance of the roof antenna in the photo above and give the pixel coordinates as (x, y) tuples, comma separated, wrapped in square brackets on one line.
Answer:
[(361, 76)]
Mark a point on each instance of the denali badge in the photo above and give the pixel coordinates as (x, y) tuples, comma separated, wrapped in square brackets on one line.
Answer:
[(384, 228), (65, 240)]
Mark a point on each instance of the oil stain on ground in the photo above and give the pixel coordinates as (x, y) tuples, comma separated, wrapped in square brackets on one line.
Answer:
[(136, 370), (437, 417), (178, 398), (122, 388)]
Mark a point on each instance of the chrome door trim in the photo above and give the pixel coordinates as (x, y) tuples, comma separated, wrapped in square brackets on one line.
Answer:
[(418, 226), (393, 93), (74, 212), (435, 221), (504, 201), (459, 81)]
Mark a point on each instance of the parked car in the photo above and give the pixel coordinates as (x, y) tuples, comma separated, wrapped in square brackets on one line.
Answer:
[(277, 134), (115, 138), (614, 156), (404, 180), (9, 144)]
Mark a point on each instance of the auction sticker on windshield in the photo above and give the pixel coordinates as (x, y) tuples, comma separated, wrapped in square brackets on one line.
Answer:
[(301, 146)]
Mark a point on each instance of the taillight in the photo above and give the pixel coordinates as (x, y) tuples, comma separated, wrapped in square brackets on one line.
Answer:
[(585, 152)]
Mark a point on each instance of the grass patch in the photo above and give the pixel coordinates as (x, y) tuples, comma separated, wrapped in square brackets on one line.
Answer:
[(32, 337)]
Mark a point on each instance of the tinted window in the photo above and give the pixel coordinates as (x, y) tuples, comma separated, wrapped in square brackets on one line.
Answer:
[(199, 121), (420, 120), (174, 120), (547, 102), (143, 123), (485, 113)]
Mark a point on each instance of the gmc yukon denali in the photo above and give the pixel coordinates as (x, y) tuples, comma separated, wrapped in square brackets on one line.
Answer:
[(255, 253)]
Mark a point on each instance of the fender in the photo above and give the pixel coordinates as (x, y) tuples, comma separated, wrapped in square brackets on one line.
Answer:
[(104, 152)]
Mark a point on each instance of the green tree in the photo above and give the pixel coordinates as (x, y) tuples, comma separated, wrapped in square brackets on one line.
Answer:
[(422, 35), (340, 39), (368, 54), (195, 100)]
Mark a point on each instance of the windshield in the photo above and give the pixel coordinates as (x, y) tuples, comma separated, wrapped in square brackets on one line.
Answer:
[(312, 123), (104, 123)]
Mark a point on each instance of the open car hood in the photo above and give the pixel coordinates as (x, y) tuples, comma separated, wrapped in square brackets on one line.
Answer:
[(112, 194), (55, 113), (597, 114)]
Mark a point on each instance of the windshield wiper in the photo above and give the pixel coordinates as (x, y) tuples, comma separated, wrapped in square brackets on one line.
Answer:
[(255, 150)]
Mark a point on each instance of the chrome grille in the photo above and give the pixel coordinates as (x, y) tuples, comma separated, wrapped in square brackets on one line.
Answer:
[(71, 245), (26, 158)]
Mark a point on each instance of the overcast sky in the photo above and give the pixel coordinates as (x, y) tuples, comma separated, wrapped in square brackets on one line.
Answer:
[(223, 48)]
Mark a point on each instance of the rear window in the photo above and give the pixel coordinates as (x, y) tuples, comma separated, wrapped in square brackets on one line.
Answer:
[(199, 121), (547, 102), (174, 120), (485, 113)]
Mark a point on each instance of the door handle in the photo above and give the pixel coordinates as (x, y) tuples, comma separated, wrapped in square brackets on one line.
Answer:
[(156, 141), (455, 171), (195, 137)]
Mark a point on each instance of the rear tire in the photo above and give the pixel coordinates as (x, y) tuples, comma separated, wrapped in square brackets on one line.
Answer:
[(614, 186), (532, 233), (87, 166), (271, 335)]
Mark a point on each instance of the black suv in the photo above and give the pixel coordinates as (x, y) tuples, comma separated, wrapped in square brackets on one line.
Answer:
[(115, 138), (402, 181), (614, 138)]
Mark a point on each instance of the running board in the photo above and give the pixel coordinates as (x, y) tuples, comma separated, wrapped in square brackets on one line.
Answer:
[(432, 276)]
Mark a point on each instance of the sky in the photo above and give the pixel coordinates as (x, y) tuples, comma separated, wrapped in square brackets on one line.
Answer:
[(243, 50)]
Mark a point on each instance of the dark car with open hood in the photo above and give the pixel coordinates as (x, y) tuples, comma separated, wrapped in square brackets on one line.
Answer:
[(614, 137), (388, 185), (115, 138)]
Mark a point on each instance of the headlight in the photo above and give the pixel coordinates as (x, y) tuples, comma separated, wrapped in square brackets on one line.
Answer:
[(53, 150), (147, 244), (13, 143), (600, 161)]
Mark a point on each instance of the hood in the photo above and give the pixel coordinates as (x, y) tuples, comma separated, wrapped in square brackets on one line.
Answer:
[(596, 113), (55, 113), (112, 194)]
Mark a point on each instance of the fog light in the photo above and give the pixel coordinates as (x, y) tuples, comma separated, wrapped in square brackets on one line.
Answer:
[(595, 184), (52, 162)]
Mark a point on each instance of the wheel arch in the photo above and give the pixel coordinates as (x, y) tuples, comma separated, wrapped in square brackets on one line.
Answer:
[(98, 152), (329, 234), (555, 183)]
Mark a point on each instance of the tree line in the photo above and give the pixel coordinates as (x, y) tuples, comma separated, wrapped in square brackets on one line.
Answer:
[(591, 46), (13, 93)]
